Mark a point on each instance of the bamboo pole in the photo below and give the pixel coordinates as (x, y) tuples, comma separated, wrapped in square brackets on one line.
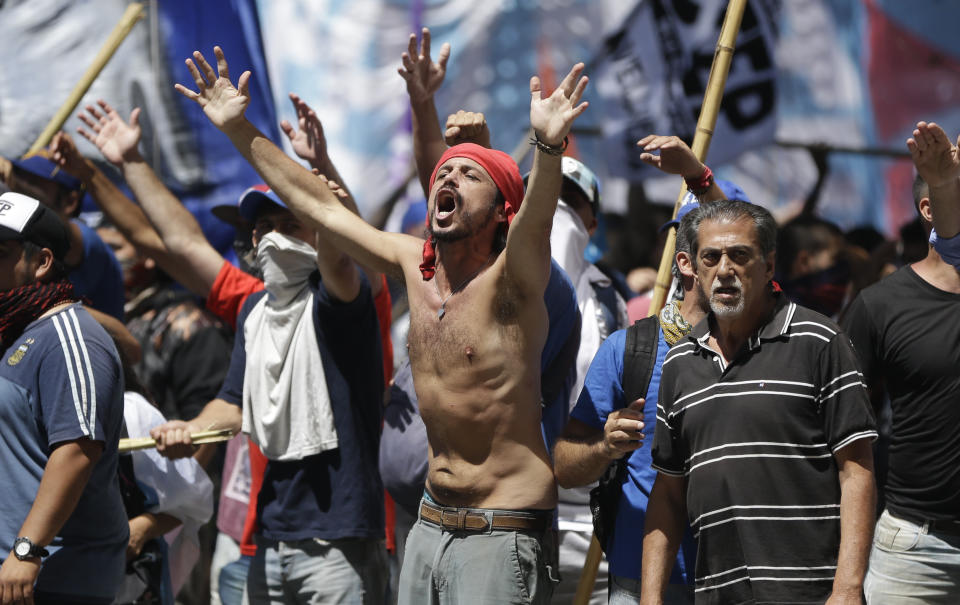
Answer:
[(146, 443), (722, 57), (130, 17)]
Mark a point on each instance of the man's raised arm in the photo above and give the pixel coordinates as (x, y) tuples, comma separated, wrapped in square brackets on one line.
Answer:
[(675, 157), (193, 261), (423, 78), (528, 240), (306, 195), (310, 144), (938, 163)]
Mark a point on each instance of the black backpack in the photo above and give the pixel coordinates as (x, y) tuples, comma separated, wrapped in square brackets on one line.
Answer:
[(639, 361)]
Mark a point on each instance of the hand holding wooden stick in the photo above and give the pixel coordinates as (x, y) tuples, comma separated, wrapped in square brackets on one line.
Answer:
[(146, 443)]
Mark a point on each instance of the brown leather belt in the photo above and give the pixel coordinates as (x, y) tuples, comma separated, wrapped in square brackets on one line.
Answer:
[(470, 519)]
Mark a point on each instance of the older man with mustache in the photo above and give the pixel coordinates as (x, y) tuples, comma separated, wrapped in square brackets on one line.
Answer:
[(763, 436)]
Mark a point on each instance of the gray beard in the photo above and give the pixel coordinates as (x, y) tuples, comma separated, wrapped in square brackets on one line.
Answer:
[(722, 310)]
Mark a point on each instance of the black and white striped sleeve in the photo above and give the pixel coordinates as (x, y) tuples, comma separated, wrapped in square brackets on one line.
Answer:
[(842, 395)]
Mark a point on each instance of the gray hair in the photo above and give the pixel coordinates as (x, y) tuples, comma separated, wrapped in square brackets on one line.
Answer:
[(686, 233), (730, 211)]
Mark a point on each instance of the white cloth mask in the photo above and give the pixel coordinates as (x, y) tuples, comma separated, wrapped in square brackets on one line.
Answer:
[(286, 264)]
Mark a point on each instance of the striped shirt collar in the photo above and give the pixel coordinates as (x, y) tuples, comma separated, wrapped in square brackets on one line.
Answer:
[(777, 326)]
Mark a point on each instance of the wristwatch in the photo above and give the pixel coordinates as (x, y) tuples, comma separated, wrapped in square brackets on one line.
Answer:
[(24, 548)]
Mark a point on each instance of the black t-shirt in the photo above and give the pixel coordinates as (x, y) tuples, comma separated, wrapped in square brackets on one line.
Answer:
[(907, 333)]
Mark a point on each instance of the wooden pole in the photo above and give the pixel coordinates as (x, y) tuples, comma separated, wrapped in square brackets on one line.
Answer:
[(722, 57), (133, 14), (146, 443)]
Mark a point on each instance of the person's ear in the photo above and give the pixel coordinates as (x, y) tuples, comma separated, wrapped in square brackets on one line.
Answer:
[(925, 212), (771, 263), (500, 213), (71, 203), (685, 264), (801, 264), (44, 264)]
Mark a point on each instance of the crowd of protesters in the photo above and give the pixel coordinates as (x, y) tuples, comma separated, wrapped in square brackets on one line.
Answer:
[(447, 414)]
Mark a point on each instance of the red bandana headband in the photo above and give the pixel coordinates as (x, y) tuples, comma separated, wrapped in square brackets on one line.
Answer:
[(504, 172)]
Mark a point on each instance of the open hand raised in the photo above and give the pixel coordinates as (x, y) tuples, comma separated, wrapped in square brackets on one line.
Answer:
[(552, 117), (222, 103), (675, 156), (936, 159), (422, 75), (308, 142), (117, 140)]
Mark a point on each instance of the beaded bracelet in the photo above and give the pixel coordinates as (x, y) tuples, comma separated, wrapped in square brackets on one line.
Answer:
[(549, 149)]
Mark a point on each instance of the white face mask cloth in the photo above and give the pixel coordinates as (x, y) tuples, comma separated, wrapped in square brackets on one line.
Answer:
[(286, 264), (568, 240), (286, 406)]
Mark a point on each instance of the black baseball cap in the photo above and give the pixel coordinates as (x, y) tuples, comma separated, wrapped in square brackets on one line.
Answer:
[(23, 218)]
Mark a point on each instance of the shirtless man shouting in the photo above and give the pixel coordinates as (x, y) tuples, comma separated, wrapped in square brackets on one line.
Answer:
[(477, 326)]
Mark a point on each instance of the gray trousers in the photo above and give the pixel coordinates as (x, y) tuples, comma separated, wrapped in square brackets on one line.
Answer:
[(443, 567)]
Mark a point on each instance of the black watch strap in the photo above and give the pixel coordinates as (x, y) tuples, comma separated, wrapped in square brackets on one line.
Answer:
[(34, 551)]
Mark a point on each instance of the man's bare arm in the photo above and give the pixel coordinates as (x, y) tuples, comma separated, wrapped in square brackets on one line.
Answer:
[(173, 437), (938, 163), (858, 501), (423, 78), (305, 194), (675, 157), (310, 144), (582, 453), (192, 260), (528, 240), (662, 534)]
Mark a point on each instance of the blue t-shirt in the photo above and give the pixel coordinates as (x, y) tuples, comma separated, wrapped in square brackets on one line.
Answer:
[(948, 248), (61, 381), (337, 493), (602, 394), (564, 320), (99, 277)]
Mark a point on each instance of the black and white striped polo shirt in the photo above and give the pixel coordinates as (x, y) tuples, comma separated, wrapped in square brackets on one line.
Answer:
[(755, 440)]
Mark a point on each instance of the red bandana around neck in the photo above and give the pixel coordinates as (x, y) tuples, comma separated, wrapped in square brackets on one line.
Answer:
[(20, 306), (504, 172)]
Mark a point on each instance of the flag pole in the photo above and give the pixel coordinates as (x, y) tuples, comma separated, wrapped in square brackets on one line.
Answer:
[(131, 15), (722, 58)]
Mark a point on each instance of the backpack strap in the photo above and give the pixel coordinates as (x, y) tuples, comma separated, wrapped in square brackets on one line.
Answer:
[(640, 358)]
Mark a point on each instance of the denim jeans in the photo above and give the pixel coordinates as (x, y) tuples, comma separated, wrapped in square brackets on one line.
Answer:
[(911, 566), (318, 571), (626, 591), (233, 581)]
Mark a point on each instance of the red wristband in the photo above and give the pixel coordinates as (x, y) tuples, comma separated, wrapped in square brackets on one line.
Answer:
[(700, 185)]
